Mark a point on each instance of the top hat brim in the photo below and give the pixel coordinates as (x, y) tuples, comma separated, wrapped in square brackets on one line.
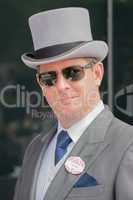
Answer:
[(94, 48)]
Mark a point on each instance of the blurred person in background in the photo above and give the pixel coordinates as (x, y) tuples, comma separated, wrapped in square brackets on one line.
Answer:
[(88, 153)]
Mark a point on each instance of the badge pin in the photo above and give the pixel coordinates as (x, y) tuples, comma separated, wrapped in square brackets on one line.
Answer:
[(75, 165)]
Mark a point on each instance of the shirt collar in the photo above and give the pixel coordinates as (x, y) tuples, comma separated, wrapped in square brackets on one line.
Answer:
[(77, 129)]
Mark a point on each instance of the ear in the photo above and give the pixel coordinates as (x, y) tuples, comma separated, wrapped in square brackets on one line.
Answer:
[(98, 71)]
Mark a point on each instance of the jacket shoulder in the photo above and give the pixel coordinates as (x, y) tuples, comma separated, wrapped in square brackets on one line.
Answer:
[(120, 134)]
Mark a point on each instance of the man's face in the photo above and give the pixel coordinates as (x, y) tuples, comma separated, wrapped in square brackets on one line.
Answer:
[(69, 98)]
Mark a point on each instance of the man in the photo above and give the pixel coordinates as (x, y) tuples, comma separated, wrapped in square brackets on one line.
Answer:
[(89, 153)]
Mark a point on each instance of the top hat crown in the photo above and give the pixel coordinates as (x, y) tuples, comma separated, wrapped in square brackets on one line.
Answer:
[(61, 34)]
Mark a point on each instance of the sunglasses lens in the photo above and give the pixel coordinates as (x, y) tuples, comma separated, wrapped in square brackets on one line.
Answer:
[(48, 78), (73, 73)]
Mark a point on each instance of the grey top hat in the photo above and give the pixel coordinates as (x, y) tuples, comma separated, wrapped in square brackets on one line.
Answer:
[(63, 33)]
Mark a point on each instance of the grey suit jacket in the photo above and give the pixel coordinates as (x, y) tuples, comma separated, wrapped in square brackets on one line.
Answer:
[(107, 149)]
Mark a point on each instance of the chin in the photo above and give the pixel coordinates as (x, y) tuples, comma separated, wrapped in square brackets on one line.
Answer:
[(67, 108), (69, 112)]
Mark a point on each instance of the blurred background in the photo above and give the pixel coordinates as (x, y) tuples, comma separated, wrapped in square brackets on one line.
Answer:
[(24, 113)]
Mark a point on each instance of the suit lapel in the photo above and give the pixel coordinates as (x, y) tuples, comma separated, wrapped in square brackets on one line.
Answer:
[(34, 164), (89, 146)]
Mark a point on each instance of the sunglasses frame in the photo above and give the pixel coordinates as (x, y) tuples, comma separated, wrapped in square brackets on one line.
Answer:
[(92, 62)]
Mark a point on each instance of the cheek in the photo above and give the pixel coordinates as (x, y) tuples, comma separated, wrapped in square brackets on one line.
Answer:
[(90, 82), (88, 90), (86, 84), (51, 96)]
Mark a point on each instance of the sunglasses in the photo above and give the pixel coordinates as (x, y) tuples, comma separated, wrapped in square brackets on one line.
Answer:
[(72, 73)]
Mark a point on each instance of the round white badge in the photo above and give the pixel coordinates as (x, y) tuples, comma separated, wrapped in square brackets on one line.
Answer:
[(75, 165)]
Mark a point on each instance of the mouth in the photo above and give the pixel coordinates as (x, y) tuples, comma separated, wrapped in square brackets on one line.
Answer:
[(68, 100)]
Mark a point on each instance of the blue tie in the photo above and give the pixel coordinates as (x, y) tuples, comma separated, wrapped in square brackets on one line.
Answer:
[(63, 140)]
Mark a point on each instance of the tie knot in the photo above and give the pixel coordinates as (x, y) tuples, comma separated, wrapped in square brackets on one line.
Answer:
[(63, 139)]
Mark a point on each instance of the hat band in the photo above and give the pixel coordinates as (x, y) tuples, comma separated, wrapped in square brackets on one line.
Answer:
[(54, 50)]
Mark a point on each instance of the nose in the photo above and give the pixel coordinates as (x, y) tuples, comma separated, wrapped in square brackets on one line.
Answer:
[(62, 84)]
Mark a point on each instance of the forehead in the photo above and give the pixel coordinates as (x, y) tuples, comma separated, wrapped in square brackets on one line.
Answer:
[(61, 64)]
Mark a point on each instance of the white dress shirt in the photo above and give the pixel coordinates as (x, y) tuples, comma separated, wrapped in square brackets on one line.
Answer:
[(48, 169)]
